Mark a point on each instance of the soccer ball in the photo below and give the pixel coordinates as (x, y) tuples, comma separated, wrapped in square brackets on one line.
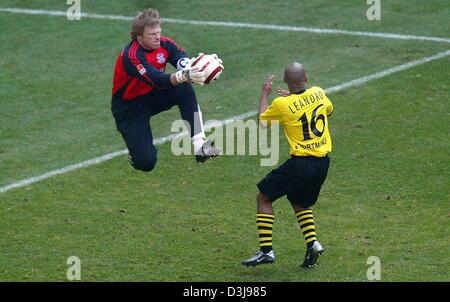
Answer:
[(211, 65)]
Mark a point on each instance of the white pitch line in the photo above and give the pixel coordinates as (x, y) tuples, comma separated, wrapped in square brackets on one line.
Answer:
[(309, 30), (106, 157), (159, 141), (234, 24), (387, 72)]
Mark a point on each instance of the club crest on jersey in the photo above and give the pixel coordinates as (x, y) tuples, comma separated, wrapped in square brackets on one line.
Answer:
[(160, 58), (141, 69)]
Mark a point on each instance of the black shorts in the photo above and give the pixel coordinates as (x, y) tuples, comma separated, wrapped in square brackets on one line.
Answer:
[(300, 178), (133, 120)]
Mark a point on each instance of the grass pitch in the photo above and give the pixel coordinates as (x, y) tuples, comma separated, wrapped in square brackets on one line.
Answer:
[(386, 195)]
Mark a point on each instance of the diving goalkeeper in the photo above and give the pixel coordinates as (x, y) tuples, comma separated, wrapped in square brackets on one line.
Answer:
[(141, 90)]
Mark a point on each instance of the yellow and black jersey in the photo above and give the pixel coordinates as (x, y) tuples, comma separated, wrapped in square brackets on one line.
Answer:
[(304, 118)]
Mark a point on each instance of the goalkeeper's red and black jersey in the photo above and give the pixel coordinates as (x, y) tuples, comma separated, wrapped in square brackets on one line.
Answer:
[(138, 71)]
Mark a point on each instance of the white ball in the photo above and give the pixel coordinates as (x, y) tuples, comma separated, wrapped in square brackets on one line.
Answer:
[(210, 65)]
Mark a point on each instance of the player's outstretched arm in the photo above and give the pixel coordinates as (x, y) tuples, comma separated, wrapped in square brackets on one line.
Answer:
[(265, 92)]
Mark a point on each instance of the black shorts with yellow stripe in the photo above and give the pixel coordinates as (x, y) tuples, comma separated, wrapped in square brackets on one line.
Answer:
[(300, 178)]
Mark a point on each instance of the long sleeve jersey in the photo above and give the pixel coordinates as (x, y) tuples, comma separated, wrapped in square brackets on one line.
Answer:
[(139, 71)]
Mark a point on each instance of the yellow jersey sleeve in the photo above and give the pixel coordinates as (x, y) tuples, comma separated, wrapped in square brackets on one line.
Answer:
[(327, 102), (272, 113)]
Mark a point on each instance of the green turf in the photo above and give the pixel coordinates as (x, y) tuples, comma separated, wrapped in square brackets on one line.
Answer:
[(386, 195)]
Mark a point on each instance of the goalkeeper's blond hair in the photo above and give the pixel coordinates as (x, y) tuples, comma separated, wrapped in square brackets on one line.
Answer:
[(149, 17)]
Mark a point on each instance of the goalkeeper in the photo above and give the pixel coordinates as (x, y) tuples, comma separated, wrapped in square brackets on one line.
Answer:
[(141, 90)]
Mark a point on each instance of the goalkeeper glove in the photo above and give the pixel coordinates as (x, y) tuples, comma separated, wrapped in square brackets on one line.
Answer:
[(191, 75), (219, 60)]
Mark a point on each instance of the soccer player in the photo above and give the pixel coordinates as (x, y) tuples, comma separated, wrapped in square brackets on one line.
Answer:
[(304, 115), (141, 89)]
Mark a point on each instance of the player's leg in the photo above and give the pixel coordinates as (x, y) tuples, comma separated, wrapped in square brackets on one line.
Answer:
[(305, 220), (132, 122), (184, 97), (142, 153), (264, 224), (312, 174), (272, 187), (263, 204)]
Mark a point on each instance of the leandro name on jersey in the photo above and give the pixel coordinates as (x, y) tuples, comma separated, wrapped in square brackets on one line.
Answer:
[(304, 117)]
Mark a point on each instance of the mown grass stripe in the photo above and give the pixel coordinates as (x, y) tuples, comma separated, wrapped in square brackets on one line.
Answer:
[(162, 140), (235, 25)]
